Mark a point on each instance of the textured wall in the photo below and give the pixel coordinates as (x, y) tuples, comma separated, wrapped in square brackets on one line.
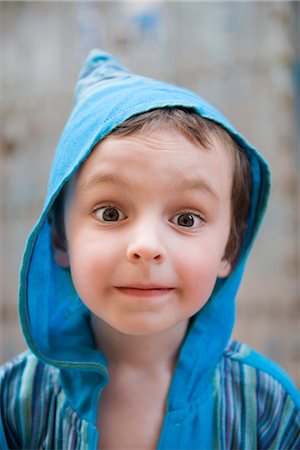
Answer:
[(240, 56)]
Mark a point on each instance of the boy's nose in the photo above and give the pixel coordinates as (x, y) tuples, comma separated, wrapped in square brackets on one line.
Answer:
[(146, 247)]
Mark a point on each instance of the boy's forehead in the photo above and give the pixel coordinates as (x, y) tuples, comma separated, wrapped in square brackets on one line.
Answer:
[(165, 142), (119, 161)]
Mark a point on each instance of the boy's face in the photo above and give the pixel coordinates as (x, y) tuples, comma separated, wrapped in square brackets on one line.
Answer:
[(147, 220)]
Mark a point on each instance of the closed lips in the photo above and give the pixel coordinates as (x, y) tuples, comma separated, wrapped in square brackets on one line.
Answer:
[(139, 290)]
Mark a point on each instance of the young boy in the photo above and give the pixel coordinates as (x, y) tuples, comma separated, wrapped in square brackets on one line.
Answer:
[(129, 278)]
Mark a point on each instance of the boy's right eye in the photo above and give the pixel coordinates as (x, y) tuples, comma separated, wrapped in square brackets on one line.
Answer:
[(109, 214)]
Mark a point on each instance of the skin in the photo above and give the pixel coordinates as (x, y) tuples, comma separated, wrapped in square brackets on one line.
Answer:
[(140, 267), (147, 220)]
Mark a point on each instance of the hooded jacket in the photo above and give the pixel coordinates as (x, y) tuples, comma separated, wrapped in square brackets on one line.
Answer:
[(223, 395)]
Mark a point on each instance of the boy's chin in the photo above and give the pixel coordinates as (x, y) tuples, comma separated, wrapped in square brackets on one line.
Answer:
[(137, 328)]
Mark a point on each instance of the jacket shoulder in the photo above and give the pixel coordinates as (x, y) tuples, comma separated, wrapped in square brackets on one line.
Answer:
[(258, 399), (264, 367), (27, 387), (23, 362), (25, 373)]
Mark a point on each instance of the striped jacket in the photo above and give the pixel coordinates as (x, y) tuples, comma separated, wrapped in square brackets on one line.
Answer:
[(252, 409)]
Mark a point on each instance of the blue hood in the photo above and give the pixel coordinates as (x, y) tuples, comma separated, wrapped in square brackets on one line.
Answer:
[(54, 320)]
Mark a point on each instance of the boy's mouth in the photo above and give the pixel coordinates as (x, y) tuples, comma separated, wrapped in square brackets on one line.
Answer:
[(138, 290)]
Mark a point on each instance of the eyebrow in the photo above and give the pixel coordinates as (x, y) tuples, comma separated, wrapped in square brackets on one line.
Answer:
[(198, 184), (103, 177)]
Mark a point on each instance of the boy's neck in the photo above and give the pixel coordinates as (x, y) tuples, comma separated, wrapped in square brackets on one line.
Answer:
[(138, 352)]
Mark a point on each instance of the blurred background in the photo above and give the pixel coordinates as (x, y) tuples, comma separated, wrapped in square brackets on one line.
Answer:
[(241, 56)]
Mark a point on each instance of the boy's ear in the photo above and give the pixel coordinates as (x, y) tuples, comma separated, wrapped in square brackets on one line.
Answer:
[(60, 251), (225, 268)]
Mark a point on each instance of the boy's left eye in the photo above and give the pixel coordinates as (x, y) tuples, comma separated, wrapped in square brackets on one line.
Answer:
[(187, 220), (109, 214)]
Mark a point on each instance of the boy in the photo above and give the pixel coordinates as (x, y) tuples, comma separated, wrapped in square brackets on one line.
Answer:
[(129, 278)]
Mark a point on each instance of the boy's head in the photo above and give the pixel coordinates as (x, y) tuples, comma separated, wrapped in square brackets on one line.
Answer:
[(178, 200), (158, 210), (202, 131)]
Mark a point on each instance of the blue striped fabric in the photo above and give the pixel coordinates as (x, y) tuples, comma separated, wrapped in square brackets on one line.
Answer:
[(35, 409), (252, 409)]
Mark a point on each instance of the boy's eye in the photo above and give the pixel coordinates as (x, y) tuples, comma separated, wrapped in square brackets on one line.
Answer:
[(109, 214), (187, 220)]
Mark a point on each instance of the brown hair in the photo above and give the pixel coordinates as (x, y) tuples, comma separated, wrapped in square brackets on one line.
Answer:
[(195, 128)]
